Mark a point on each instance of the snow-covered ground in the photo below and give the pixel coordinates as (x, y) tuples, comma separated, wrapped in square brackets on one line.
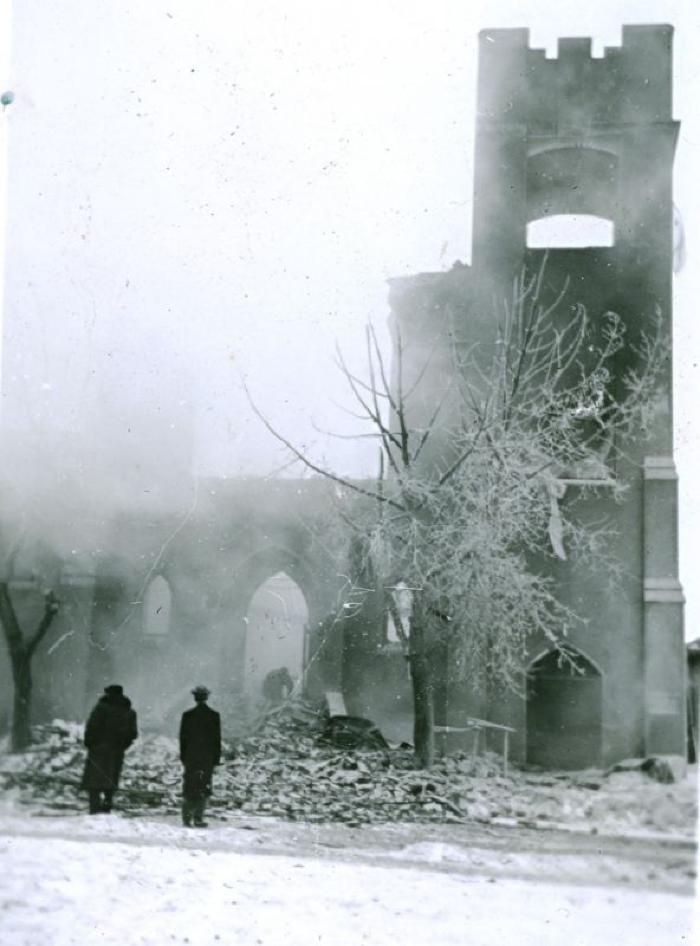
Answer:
[(76, 881), (533, 860)]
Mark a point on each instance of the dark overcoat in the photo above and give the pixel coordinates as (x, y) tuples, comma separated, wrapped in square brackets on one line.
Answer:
[(110, 730), (200, 748)]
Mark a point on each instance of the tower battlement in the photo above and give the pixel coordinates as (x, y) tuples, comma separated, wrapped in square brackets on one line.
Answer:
[(629, 84)]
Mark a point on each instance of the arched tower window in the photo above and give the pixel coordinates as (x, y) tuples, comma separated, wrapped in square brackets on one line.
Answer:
[(570, 231), (572, 195), (157, 605)]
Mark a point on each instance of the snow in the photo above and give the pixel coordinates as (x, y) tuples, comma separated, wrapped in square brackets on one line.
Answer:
[(111, 880), (80, 892), (138, 878)]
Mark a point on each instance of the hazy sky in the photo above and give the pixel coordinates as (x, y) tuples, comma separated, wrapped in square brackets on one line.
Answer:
[(199, 192)]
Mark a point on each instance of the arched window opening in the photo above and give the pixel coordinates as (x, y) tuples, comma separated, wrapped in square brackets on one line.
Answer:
[(570, 231), (564, 712), (576, 179), (276, 625), (157, 605), (402, 601)]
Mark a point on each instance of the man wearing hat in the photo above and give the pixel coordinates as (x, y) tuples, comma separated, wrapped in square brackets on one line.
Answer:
[(200, 751), (110, 730)]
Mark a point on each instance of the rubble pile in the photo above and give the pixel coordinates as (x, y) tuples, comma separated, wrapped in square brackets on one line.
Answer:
[(51, 769), (289, 767), (297, 767)]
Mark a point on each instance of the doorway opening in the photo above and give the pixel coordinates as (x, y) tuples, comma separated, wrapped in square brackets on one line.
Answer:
[(564, 712), (276, 633)]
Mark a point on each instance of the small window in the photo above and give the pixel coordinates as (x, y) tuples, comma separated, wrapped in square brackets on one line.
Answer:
[(392, 635), (570, 231), (157, 603)]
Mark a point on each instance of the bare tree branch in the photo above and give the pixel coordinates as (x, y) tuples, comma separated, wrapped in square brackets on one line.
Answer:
[(51, 608), (430, 426), (330, 433), (312, 466), (373, 415), (387, 438)]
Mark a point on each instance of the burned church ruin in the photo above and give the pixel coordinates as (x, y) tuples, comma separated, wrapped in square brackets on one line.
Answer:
[(573, 145), (574, 159)]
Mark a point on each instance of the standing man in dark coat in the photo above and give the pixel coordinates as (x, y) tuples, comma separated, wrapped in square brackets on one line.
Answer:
[(200, 751), (110, 730)]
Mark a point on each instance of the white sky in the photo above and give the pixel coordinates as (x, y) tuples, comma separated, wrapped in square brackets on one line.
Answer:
[(200, 192)]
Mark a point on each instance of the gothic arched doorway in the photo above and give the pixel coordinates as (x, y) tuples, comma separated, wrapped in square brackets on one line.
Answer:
[(564, 712), (276, 624)]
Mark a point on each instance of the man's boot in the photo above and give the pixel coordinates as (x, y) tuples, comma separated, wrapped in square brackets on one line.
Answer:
[(94, 801), (187, 812), (198, 812), (107, 804)]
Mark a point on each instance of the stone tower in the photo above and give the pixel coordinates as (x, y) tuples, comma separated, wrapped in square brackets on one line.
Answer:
[(574, 158)]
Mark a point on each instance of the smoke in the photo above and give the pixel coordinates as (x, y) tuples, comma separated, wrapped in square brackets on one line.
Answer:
[(65, 489)]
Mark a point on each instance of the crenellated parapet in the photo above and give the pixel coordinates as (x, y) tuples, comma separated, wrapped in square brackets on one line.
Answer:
[(629, 84)]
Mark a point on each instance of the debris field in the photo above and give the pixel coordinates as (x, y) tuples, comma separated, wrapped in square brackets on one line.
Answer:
[(290, 768)]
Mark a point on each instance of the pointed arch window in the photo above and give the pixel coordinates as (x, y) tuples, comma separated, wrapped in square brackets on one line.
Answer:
[(403, 601)]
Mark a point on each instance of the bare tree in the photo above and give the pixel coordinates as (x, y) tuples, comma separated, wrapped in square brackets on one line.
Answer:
[(458, 529), (22, 647)]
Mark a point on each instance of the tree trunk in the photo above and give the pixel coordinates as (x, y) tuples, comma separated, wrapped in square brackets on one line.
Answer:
[(21, 651), (21, 716), (423, 705)]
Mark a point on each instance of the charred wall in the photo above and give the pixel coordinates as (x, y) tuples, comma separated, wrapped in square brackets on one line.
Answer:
[(583, 138)]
